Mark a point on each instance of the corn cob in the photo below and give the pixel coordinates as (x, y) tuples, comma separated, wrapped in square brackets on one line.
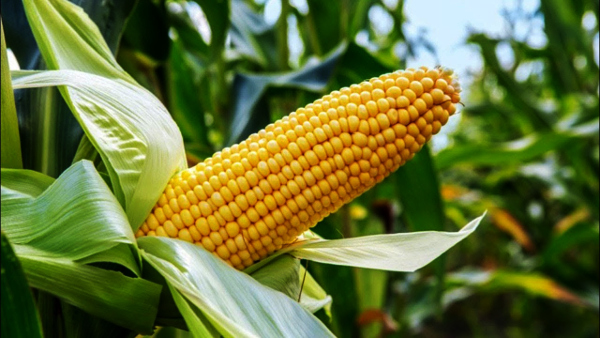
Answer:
[(249, 200)]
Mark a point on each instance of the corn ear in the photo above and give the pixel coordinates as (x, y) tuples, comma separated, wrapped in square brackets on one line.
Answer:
[(252, 198)]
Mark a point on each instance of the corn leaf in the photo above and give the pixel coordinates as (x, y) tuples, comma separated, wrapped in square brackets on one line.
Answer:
[(251, 36), (533, 283), (75, 217), (110, 295), (391, 252), (285, 274), (217, 14), (250, 89), (11, 144), (196, 322), (24, 183), (19, 315), (281, 275), (138, 141), (63, 223), (116, 117), (49, 132), (233, 302)]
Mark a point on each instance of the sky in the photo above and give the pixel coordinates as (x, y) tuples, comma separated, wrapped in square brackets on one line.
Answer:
[(448, 24)]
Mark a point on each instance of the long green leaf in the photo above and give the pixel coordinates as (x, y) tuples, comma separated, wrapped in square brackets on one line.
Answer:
[(19, 315), (59, 28), (250, 88), (391, 252), (24, 182), (75, 217), (252, 36), (60, 224), (233, 302), (130, 128), (128, 302), (49, 132), (196, 322), (134, 134), (10, 143), (217, 14)]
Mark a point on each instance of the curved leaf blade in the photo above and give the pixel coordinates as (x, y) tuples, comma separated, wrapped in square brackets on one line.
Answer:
[(404, 252), (233, 302), (137, 139), (392, 252), (76, 217), (11, 143), (133, 132), (128, 302)]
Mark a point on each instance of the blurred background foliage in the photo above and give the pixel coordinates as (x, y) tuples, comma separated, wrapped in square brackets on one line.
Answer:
[(526, 148)]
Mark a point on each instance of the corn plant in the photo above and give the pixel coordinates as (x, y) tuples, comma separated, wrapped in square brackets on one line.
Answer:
[(75, 193)]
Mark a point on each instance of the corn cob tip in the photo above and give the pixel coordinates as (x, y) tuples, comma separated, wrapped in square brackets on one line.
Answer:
[(252, 198)]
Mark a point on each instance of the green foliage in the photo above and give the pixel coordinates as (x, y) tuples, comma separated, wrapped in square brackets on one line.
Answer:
[(19, 315), (527, 150)]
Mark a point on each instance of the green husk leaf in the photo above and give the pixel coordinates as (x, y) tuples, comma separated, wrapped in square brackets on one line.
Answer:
[(391, 252), (138, 141), (196, 322), (281, 275), (144, 149), (75, 217), (285, 274), (233, 302)]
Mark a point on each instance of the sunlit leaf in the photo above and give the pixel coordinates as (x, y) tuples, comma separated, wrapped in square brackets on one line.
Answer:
[(217, 15), (136, 138), (531, 282), (75, 217), (233, 302), (391, 252), (251, 35), (144, 149)]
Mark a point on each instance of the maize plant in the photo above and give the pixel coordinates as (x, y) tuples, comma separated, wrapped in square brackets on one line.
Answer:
[(106, 243)]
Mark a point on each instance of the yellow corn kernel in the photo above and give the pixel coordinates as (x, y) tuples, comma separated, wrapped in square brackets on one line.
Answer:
[(252, 198)]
